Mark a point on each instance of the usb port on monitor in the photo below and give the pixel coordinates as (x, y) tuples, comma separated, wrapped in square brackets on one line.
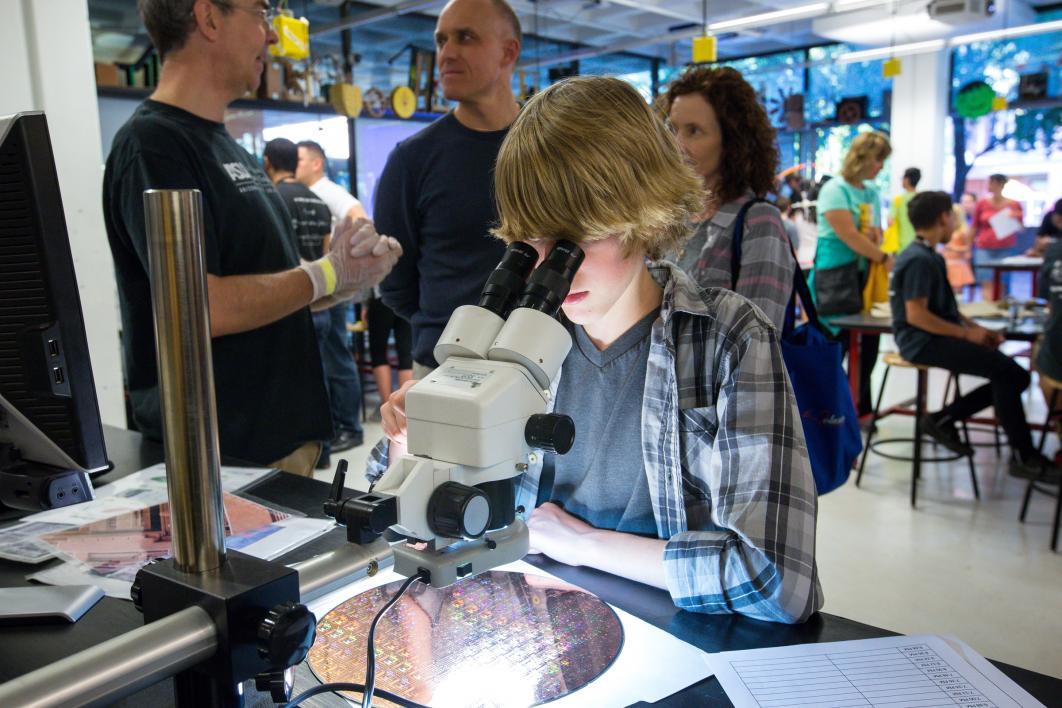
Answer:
[(53, 348), (57, 374)]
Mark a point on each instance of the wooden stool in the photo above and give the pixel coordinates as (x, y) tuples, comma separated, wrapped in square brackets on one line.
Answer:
[(892, 359), (1056, 387)]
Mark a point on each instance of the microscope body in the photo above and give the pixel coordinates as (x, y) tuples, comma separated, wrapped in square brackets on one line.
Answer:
[(474, 426)]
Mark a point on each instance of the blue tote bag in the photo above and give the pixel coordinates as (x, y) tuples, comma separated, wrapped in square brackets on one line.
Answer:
[(813, 360)]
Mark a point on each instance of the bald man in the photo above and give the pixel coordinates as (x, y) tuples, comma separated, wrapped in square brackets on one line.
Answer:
[(436, 194)]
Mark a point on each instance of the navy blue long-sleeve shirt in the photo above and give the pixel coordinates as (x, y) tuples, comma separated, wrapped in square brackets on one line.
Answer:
[(436, 196)]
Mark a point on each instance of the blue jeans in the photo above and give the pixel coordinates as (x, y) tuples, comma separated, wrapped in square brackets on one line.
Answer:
[(341, 373)]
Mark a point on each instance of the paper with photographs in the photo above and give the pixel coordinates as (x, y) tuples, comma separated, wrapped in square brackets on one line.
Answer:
[(118, 546)]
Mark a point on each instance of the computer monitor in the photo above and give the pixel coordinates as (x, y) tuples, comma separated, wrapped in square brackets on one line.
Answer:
[(51, 436)]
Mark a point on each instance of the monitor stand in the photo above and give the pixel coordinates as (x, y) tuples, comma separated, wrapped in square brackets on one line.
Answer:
[(33, 486)]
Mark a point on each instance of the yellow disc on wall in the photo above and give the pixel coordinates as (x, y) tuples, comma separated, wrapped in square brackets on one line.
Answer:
[(346, 99), (403, 101)]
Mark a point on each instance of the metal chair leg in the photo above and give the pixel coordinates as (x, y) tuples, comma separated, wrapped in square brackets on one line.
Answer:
[(1058, 517), (1025, 501), (920, 410), (873, 426), (966, 437), (1047, 419)]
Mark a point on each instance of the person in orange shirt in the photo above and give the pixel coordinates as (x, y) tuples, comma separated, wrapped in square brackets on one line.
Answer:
[(988, 245), (956, 252)]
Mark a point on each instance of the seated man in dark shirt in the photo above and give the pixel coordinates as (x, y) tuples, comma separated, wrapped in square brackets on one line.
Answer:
[(1049, 351), (929, 330)]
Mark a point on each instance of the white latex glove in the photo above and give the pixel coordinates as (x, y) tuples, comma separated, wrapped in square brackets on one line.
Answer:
[(359, 258)]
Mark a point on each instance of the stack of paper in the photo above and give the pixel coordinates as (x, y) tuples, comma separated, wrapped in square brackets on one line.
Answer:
[(891, 671)]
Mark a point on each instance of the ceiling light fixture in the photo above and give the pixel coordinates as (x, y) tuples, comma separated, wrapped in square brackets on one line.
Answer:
[(898, 50), (1009, 32), (792, 13), (938, 44)]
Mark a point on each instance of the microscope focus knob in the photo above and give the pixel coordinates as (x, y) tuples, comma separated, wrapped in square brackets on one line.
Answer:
[(456, 510), (286, 634), (552, 432)]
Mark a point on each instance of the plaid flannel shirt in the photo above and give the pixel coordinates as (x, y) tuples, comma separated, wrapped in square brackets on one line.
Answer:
[(723, 449), (767, 264)]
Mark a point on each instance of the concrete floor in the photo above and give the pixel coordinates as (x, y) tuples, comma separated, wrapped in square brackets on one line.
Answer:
[(952, 566)]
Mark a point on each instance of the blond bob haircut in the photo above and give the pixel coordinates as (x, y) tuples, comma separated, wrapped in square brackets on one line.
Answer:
[(866, 147), (587, 159)]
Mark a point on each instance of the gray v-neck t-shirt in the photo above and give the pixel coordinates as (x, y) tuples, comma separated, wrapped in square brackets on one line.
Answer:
[(602, 479)]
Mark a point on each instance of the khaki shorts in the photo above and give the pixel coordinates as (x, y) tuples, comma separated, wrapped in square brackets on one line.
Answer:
[(301, 461)]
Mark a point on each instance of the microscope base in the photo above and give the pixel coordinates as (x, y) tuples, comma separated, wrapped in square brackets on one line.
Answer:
[(466, 558)]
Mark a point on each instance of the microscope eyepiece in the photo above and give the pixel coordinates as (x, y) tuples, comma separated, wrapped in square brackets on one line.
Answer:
[(549, 284), (507, 281)]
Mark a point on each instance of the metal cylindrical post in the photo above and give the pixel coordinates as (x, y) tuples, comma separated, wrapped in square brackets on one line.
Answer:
[(117, 667), (186, 376)]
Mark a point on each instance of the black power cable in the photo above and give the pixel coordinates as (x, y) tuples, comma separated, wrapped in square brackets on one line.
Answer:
[(369, 688), (357, 688), (370, 663)]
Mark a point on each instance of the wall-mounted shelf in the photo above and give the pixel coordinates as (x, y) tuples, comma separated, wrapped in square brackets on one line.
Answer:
[(262, 104)]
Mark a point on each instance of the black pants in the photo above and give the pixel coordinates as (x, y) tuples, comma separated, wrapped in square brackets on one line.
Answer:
[(868, 357), (1006, 381), (383, 321)]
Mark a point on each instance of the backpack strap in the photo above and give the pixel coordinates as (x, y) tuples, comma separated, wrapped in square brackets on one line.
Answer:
[(803, 292), (739, 236), (800, 283)]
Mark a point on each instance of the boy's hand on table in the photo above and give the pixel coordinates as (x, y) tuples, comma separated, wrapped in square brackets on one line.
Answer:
[(558, 534)]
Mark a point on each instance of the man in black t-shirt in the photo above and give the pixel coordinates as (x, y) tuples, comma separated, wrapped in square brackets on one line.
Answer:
[(436, 193), (929, 330), (311, 221), (271, 402)]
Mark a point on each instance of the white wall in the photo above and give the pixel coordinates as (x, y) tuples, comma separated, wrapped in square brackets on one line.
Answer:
[(46, 55), (919, 111)]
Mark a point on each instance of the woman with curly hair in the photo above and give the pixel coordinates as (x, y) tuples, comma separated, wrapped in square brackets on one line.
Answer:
[(729, 142)]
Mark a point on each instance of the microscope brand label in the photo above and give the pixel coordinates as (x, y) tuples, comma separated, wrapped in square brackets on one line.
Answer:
[(461, 378)]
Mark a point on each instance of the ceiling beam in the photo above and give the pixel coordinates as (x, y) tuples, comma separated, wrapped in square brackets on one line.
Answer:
[(377, 15)]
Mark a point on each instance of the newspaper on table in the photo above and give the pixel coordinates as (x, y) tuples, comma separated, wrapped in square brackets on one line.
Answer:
[(106, 541)]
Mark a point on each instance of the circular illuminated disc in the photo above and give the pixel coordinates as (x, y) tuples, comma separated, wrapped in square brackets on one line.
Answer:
[(403, 101), (495, 639)]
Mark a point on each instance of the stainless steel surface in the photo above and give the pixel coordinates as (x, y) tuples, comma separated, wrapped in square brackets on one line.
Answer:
[(322, 574), (118, 667), (186, 376)]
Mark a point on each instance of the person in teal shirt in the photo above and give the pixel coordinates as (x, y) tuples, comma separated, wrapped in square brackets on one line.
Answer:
[(849, 230), (898, 214)]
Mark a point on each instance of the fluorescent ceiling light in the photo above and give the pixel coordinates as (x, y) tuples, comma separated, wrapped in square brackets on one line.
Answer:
[(886, 52), (792, 13), (877, 25), (937, 44), (1009, 32)]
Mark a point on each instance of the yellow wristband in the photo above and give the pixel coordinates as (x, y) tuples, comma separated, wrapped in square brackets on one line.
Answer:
[(329, 272)]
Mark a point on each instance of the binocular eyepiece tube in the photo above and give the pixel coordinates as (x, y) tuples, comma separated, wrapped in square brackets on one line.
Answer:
[(510, 286)]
